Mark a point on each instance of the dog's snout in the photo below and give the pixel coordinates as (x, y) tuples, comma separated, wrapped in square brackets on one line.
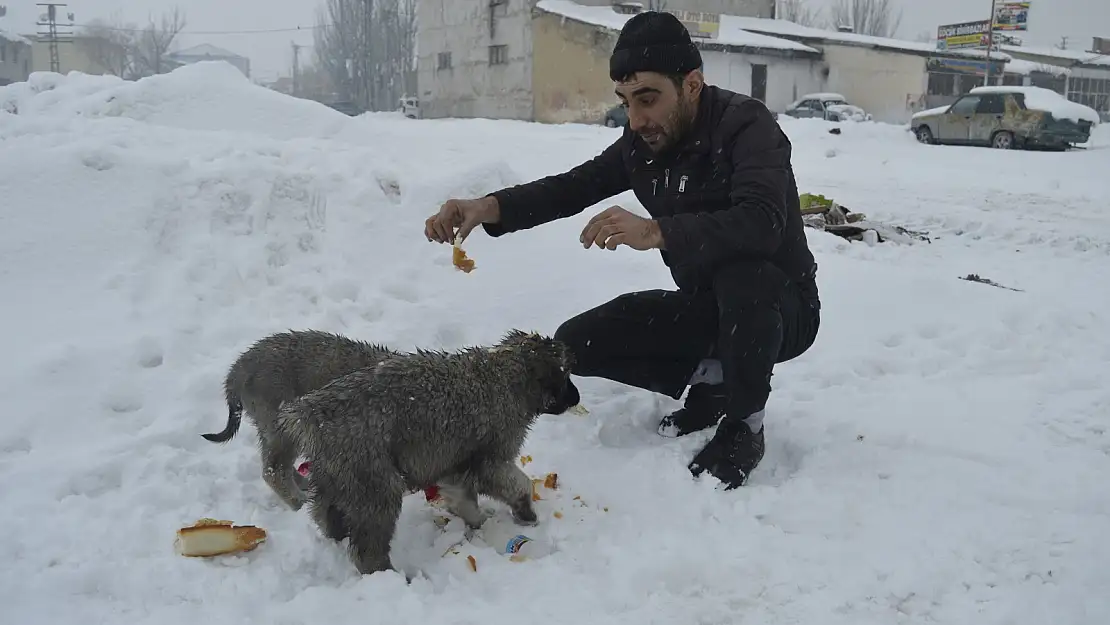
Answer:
[(572, 398)]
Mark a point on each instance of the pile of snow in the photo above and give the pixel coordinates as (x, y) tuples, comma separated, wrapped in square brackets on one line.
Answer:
[(211, 95), (938, 456), (1047, 100)]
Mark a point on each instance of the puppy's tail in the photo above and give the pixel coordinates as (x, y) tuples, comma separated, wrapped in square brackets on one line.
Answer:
[(234, 418)]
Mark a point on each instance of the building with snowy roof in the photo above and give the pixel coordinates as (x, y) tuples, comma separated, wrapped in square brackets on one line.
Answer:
[(15, 58), (548, 61), (209, 52)]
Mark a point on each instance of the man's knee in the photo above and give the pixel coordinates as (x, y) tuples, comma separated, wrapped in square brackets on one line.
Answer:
[(750, 280), (578, 333), (587, 332)]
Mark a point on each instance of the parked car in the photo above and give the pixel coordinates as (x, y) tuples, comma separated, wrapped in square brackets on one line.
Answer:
[(616, 117), (1007, 118), (832, 107), (409, 107), (347, 107)]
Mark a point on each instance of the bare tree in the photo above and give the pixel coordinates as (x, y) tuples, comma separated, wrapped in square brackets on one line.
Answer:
[(868, 17), (366, 47), (108, 44), (152, 44), (926, 36), (799, 12)]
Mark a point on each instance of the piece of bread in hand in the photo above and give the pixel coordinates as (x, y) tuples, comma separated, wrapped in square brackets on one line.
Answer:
[(210, 537), (459, 258)]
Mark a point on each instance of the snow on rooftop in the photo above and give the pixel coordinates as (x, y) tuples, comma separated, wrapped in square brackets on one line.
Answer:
[(12, 37), (1047, 100), (791, 29), (1072, 56), (206, 49), (730, 32), (1025, 68)]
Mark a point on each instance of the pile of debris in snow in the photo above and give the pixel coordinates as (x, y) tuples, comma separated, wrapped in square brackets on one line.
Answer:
[(825, 214)]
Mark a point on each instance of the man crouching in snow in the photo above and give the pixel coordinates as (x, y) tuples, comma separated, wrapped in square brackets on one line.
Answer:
[(712, 168)]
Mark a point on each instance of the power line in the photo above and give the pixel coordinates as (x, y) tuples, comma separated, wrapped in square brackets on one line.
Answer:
[(211, 32)]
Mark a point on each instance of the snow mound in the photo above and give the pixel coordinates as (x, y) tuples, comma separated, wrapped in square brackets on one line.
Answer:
[(211, 95)]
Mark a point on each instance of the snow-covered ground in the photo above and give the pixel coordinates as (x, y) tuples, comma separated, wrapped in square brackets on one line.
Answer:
[(939, 456)]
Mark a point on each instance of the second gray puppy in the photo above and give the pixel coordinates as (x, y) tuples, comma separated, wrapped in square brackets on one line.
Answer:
[(277, 369), (458, 419)]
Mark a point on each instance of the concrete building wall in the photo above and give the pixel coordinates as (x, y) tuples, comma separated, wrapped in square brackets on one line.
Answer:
[(72, 57), (787, 79), (467, 84), (743, 8), (15, 61), (886, 84), (570, 76)]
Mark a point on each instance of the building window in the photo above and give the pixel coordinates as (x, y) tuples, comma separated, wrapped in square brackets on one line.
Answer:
[(498, 55), (1092, 92), (443, 60), (941, 84)]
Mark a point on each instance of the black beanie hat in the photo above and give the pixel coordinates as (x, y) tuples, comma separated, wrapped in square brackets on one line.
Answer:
[(653, 41)]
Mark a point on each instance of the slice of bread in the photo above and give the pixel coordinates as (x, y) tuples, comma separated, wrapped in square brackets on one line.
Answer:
[(210, 537)]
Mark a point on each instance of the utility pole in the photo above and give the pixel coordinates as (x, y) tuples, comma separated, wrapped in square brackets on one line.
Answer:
[(990, 45), (296, 68), (52, 32)]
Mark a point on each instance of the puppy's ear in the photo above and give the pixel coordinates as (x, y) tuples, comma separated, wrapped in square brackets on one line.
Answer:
[(515, 337)]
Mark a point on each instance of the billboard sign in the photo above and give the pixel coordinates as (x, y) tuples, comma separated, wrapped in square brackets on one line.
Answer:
[(1011, 16), (964, 35), (701, 25)]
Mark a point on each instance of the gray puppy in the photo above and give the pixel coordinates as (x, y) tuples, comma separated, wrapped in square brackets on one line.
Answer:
[(277, 369), (456, 419)]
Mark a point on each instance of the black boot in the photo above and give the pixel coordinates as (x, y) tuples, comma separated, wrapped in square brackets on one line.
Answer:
[(704, 406), (732, 453)]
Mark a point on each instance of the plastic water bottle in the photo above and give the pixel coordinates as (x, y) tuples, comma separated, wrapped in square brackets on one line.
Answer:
[(507, 540)]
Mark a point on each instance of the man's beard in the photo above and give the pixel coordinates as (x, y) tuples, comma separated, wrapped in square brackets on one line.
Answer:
[(679, 126)]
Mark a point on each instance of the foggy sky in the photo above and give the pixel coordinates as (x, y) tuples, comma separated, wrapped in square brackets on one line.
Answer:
[(271, 53)]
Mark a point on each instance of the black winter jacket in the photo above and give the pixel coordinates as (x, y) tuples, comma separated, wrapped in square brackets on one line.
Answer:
[(728, 193)]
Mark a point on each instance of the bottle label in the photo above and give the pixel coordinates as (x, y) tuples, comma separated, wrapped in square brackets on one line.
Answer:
[(515, 543)]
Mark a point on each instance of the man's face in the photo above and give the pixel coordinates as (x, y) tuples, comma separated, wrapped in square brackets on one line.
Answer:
[(660, 111)]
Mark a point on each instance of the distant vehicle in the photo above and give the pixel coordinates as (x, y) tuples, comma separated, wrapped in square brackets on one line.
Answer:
[(410, 107), (832, 107), (1007, 118), (346, 107), (616, 117)]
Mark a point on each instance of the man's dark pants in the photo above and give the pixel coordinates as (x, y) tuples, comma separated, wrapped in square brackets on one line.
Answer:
[(753, 318)]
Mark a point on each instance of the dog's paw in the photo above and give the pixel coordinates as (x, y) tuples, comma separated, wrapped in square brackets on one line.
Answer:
[(525, 516)]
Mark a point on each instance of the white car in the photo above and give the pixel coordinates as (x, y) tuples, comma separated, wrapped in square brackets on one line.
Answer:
[(828, 106)]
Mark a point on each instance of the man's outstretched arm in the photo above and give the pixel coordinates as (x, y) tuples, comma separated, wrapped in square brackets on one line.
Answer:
[(562, 195)]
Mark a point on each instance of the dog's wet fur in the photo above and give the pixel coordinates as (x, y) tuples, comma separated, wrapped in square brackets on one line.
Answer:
[(416, 419), (278, 369)]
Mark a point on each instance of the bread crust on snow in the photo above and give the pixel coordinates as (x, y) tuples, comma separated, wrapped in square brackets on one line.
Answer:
[(209, 537)]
